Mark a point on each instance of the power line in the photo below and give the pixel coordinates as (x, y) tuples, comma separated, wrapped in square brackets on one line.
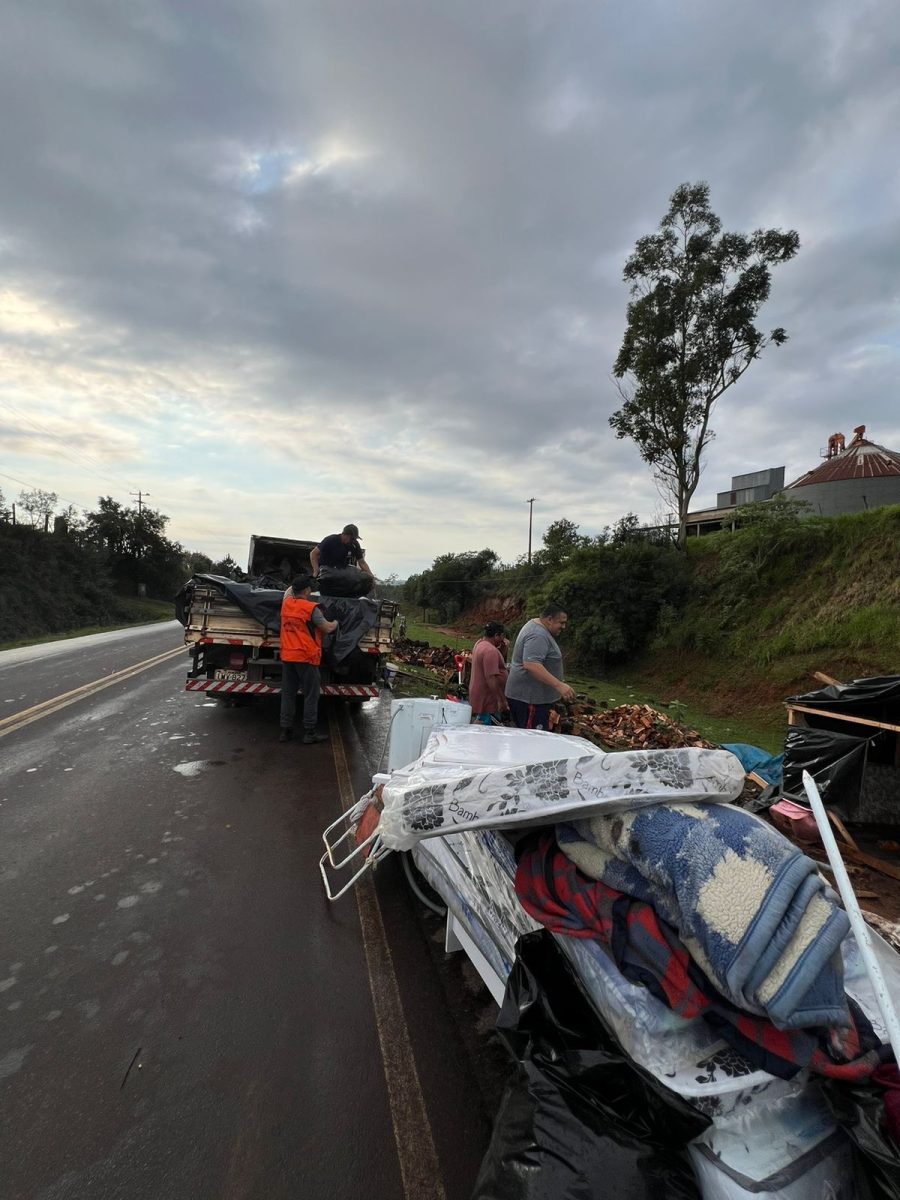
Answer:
[(36, 488), (221, 537), (140, 499), (94, 469)]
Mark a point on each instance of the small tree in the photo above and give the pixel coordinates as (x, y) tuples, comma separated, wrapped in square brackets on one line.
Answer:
[(690, 333), (39, 505), (197, 563), (561, 540), (225, 566)]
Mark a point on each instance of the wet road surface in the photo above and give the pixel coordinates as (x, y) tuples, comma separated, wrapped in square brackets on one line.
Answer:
[(182, 1014)]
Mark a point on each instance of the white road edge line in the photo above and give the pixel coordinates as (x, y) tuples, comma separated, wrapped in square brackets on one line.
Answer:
[(416, 1152), (46, 708)]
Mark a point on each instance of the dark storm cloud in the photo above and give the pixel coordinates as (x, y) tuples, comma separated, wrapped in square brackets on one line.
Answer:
[(425, 208)]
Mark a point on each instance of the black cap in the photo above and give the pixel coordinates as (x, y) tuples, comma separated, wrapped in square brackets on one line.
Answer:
[(302, 582), (493, 629), (351, 530)]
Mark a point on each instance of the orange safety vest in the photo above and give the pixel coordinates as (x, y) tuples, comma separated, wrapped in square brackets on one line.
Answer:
[(300, 640)]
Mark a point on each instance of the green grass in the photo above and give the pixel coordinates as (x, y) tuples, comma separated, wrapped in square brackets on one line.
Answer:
[(418, 632), (764, 729), (132, 612), (753, 727)]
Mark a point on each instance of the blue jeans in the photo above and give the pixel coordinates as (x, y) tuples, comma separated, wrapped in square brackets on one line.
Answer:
[(299, 677)]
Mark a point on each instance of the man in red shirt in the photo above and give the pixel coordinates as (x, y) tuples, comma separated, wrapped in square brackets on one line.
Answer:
[(488, 676)]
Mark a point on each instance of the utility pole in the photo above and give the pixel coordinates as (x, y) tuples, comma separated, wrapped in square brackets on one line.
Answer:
[(141, 587), (530, 504)]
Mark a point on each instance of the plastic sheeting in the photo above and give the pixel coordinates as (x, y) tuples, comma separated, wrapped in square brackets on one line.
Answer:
[(355, 617), (474, 872), (579, 1120), (477, 777), (861, 698), (766, 766), (837, 762), (876, 1157)]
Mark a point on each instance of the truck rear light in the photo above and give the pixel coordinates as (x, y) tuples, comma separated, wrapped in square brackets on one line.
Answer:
[(236, 660)]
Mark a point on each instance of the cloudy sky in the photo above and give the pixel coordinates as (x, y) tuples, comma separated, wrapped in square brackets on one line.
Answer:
[(285, 264)]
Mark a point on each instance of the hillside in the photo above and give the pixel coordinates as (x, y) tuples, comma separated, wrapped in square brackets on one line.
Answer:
[(765, 606), (52, 585)]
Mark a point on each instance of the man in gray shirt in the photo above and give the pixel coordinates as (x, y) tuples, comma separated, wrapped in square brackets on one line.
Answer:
[(536, 675)]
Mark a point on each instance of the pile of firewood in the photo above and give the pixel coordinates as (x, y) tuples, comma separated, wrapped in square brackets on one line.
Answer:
[(420, 654), (628, 727)]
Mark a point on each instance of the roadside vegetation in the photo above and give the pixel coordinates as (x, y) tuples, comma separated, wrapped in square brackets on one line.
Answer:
[(727, 629), (70, 572)]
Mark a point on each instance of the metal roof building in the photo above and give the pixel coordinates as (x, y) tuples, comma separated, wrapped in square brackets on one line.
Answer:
[(851, 479)]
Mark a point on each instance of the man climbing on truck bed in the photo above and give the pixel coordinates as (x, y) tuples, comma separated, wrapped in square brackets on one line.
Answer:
[(302, 626), (339, 564)]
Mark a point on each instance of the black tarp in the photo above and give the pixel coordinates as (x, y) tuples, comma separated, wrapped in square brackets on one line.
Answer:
[(859, 1110), (876, 699), (860, 698), (355, 617), (579, 1120), (837, 762)]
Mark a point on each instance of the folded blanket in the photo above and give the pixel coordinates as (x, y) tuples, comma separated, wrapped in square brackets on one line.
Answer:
[(648, 951), (750, 908)]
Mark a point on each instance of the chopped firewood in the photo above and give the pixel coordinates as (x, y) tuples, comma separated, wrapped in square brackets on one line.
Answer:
[(628, 727)]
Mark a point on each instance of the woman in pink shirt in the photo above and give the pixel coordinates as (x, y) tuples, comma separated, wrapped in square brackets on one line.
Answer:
[(488, 675)]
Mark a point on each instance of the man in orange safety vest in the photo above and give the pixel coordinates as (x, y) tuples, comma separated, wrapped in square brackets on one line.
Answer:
[(302, 626)]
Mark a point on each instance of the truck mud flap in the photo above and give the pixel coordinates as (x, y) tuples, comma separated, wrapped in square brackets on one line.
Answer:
[(224, 687)]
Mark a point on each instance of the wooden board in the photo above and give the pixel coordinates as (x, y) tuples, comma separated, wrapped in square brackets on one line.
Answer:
[(833, 716)]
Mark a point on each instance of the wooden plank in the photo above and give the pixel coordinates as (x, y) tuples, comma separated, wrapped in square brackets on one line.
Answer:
[(841, 828), (869, 860), (757, 779), (826, 679), (833, 716)]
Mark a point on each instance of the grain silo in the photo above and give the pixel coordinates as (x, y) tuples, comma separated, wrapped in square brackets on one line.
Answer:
[(851, 479)]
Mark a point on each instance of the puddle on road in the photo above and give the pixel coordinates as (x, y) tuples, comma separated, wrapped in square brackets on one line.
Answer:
[(190, 770)]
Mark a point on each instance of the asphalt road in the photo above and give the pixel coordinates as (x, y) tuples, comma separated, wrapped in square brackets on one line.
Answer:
[(182, 1014)]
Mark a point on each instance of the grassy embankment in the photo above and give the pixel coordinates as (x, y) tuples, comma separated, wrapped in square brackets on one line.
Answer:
[(764, 613), (129, 612), (828, 601)]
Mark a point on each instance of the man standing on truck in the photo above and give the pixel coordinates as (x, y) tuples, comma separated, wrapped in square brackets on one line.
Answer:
[(536, 674), (340, 562), (302, 626), (488, 677)]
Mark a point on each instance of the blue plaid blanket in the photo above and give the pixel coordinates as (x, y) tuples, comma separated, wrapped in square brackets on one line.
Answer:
[(750, 908)]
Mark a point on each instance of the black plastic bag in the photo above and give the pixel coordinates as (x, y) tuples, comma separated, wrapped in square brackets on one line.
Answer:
[(836, 761), (859, 1110), (345, 581), (579, 1120)]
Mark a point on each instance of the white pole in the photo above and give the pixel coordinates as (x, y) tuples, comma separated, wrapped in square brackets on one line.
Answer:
[(857, 921)]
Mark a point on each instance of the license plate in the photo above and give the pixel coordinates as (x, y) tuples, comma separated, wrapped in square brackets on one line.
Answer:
[(231, 676)]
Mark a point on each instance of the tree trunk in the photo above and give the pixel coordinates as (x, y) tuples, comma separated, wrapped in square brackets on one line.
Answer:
[(682, 525)]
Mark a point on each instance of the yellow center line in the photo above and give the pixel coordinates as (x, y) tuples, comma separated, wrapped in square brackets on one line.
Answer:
[(416, 1152), (46, 707)]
